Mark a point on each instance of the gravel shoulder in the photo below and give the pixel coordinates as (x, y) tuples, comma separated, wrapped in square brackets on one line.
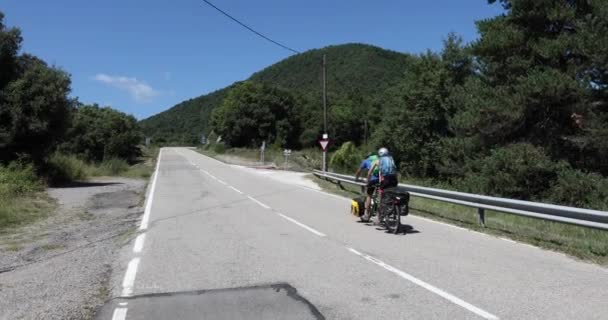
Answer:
[(60, 267)]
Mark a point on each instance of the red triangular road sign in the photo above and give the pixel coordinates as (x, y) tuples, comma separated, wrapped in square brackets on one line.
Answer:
[(324, 144)]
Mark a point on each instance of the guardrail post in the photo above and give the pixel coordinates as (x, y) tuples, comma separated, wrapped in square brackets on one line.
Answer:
[(340, 185), (482, 216)]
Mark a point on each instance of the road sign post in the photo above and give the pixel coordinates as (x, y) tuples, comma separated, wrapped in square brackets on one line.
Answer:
[(286, 153), (262, 149), (324, 143), (323, 164)]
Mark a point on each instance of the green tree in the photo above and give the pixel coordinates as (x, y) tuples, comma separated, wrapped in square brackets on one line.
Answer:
[(99, 134), (34, 110), (10, 43), (416, 112), (346, 158), (253, 112), (520, 171), (538, 67)]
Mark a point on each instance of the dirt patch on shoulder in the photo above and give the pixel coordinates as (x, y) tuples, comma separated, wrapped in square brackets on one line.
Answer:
[(59, 268)]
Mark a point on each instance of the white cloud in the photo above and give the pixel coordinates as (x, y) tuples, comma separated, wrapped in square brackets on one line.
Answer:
[(139, 90)]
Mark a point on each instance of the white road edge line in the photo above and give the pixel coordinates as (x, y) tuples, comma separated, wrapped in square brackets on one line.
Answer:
[(447, 224), (222, 182), (320, 234), (139, 243), (129, 279), (146, 217), (119, 314), (427, 286), (235, 189), (258, 202)]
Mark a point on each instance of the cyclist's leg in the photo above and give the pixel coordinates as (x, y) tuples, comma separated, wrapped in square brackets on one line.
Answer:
[(380, 212), (368, 197)]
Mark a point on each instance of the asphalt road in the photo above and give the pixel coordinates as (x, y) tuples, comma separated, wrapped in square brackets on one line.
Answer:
[(222, 242)]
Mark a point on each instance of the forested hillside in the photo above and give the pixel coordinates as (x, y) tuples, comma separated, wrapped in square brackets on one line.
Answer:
[(353, 70), (185, 122)]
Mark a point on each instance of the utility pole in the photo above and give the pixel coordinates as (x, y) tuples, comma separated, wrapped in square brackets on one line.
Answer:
[(325, 136), (324, 96), (366, 149)]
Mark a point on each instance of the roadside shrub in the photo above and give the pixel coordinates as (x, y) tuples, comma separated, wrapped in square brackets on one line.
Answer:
[(101, 133), (346, 158), (66, 168), (576, 188), (308, 159), (520, 171), (113, 166), (219, 148), (18, 179)]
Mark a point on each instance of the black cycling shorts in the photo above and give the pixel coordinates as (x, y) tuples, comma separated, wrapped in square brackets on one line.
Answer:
[(388, 182), (371, 187)]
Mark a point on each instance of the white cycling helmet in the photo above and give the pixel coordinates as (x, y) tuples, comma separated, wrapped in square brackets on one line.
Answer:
[(382, 152)]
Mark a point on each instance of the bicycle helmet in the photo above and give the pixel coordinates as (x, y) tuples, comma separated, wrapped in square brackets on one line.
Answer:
[(382, 152)]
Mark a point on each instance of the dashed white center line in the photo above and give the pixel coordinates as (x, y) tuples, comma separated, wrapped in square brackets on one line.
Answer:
[(139, 243), (258, 202), (431, 288), (235, 189), (210, 175), (320, 234), (119, 314), (129, 279)]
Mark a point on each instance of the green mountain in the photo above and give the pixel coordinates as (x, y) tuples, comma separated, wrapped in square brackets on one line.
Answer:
[(352, 69)]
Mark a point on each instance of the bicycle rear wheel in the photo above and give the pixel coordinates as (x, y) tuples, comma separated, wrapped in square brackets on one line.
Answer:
[(393, 218)]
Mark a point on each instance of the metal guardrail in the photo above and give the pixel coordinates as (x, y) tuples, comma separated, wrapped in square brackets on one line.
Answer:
[(570, 215)]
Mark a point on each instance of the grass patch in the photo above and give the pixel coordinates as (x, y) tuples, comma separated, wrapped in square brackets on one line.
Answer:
[(140, 170), (67, 168), (18, 179), (583, 243), (21, 201), (12, 246), (17, 211)]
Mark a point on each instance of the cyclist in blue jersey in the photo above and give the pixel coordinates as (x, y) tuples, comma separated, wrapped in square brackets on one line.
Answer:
[(372, 181), (387, 173)]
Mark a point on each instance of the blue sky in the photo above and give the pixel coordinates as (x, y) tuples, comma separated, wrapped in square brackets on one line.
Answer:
[(143, 57)]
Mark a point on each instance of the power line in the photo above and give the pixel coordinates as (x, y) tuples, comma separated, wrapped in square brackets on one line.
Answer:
[(249, 28)]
